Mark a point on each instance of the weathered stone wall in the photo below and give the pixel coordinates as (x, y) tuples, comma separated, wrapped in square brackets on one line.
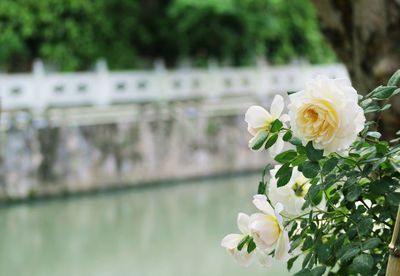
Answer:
[(138, 144)]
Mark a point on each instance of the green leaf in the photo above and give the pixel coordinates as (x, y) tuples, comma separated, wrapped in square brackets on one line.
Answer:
[(318, 271), (262, 137), (367, 152), (394, 79), (294, 228), (351, 232), (383, 92), (243, 242), (300, 159), (382, 186), (329, 165), (287, 136), (295, 243), (374, 134), (308, 242), (290, 262), (354, 155), (395, 163), (366, 170), (382, 147), (315, 194), (329, 181), (351, 179), (286, 156), (353, 193), (251, 246), (304, 272), (295, 141), (365, 102), (350, 253), (338, 242), (393, 199), (285, 176), (386, 106), (266, 171), (371, 243), (276, 126), (271, 140), (372, 108), (310, 169), (261, 188), (306, 258), (304, 223), (312, 153), (365, 226), (282, 170), (362, 264), (323, 252), (301, 149)]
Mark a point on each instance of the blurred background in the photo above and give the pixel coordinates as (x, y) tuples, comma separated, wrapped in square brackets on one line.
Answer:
[(123, 149)]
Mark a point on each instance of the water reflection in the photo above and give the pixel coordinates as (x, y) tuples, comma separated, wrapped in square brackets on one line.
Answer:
[(149, 232)]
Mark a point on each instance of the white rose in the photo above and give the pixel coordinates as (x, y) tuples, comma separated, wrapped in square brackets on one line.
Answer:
[(327, 113), (231, 242), (259, 123), (267, 229), (291, 195)]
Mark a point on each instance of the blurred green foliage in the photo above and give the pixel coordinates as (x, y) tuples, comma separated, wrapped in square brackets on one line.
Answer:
[(72, 34)]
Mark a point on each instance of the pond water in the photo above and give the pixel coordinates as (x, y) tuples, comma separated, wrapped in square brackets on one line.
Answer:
[(158, 231)]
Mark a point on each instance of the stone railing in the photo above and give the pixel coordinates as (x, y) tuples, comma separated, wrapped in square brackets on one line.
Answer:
[(39, 90)]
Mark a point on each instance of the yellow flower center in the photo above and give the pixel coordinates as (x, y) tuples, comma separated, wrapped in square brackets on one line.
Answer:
[(266, 126), (300, 188), (317, 120)]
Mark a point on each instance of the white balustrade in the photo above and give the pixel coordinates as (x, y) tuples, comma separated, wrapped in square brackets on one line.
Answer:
[(38, 91)]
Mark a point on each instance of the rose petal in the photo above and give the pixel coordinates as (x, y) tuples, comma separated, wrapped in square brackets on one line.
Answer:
[(257, 117), (243, 223), (260, 201), (282, 247), (277, 106), (231, 241)]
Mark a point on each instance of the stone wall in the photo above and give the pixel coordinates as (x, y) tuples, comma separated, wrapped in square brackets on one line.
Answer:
[(75, 150)]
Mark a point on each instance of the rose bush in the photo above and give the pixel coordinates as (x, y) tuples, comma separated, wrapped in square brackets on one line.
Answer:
[(332, 200)]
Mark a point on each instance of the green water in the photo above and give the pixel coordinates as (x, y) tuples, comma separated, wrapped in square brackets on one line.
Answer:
[(165, 231)]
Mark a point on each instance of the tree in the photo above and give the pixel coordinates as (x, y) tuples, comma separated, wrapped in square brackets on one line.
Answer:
[(71, 34), (240, 30), (365, 34)]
